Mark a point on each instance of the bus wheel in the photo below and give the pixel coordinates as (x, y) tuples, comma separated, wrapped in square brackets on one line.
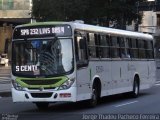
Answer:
[(42, 105), (94, 97), (135, 91)]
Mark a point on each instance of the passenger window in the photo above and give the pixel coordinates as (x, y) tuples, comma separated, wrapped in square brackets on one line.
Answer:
[(141, 46), (115, 51), (81, 49), (104, 46), (149, 50), (91, 45), (134, 48)]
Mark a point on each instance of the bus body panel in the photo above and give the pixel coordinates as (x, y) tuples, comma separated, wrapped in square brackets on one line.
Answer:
[(115, 74), (120, 80), (20, 96), (83, 84)]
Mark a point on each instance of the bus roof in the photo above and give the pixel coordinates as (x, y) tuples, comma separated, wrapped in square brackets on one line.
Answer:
[(99, 29), (113, 31)]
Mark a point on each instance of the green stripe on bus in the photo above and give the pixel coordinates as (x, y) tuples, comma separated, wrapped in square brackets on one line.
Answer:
[(90, 72), (57, 84)]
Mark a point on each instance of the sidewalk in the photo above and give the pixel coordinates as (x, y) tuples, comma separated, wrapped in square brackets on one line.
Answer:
[(5, 71), (5, 81)]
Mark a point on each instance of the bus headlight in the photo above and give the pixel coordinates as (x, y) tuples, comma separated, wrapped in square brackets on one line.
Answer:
[(67, 84), (17, 86)]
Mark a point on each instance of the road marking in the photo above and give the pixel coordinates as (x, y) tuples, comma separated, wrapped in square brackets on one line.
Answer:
[(0, 97), (157, 84), (126, 104)]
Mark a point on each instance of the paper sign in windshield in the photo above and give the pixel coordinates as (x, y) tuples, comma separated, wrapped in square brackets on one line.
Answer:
[(27, 68)]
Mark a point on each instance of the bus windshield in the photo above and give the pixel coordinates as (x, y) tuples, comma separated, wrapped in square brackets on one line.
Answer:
[(44, 57)]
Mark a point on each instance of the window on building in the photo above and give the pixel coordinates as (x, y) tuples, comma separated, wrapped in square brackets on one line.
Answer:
[(10, 4), (6, 4), (0, 4)]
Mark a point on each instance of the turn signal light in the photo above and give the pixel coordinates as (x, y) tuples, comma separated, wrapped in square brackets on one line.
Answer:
[(64, 95)]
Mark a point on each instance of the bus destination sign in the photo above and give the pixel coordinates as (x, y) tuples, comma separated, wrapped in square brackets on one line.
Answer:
[(42, 31)]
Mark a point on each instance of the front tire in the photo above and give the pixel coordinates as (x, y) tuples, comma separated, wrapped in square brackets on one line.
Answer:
[(135, 92), (94, 97)]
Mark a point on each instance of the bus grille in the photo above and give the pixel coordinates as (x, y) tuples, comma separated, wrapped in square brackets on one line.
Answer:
[(41, 82), (41, 95), (47, 88)]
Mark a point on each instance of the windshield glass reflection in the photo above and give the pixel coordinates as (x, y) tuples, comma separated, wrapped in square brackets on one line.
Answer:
[(42, 57)]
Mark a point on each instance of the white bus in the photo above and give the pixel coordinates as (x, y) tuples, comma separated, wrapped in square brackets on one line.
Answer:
[(68, 61)]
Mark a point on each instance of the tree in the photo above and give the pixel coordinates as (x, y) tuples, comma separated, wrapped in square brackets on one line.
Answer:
[(61, 10), (91, 11), (44, 10), (121, 12)]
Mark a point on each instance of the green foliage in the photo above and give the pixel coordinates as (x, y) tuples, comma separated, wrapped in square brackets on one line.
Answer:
[(91, 11)]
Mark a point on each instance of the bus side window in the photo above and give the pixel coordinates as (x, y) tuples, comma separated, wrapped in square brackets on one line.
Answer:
[(128, 47), (81, 50), (104, 46), (122, 47), (134, 48), (149, 49), (114, 47), (141, 47), (97, 44), (91, 45)]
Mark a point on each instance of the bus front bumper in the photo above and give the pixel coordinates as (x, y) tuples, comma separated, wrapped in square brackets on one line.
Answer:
[(68, 95)]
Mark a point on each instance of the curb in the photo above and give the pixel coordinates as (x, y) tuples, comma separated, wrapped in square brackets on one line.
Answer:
[(7, 68), (5, 75), (5, 80)]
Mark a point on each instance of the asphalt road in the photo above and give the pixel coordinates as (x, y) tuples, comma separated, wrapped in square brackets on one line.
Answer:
[(146, 106)]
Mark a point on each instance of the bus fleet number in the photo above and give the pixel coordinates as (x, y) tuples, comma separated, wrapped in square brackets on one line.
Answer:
[(99, 69)]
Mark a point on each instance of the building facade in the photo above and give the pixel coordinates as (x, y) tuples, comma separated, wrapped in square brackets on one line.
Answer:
[(12, 13), (151, 16), (151, 24), (15, 8)]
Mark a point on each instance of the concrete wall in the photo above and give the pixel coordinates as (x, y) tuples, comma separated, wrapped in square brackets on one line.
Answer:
[(5, 33), (15, 9), (149, 22), (12, 10)]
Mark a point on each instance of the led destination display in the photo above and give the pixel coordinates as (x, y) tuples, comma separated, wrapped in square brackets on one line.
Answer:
[(42, 31)]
